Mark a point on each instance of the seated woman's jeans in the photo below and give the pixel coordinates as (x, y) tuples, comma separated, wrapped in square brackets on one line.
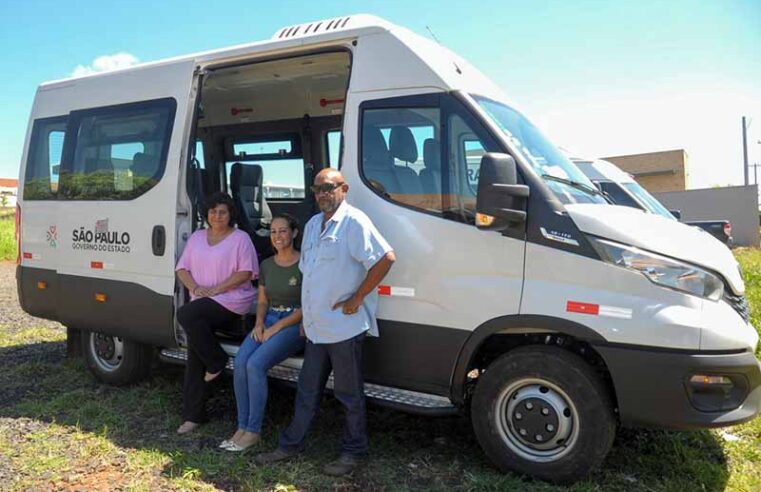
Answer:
[(253, 361)]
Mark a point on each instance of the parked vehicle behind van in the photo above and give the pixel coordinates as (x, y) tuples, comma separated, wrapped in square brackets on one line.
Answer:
[(519, 295), (622, 189)]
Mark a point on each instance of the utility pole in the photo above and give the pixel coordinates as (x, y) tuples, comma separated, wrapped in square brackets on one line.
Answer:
[(745, 150)]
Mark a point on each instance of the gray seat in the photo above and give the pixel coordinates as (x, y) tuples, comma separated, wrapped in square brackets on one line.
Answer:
[(430, 175), (403, 147), (144, 166), (377, 164), (254, 215)]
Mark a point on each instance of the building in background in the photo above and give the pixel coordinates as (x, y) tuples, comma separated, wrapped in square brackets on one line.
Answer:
[(657, 172), (8, 192)]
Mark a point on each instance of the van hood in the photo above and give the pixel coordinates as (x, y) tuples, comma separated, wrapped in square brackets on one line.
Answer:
[(658, 234)]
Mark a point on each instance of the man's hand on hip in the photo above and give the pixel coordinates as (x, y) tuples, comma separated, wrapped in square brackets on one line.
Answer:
[(350, 305)]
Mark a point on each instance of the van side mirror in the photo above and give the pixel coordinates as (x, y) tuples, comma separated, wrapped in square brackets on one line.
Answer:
[(676, 213), (500, 200)]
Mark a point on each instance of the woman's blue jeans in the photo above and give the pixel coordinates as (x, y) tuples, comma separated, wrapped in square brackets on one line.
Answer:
[(253, 361)]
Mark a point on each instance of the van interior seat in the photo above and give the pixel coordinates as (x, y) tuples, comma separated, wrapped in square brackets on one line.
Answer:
[(144, 165), (254, 215), (430, 175), (403, 147), (377, 164)]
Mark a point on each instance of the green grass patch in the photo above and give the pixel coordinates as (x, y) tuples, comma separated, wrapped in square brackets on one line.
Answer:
[(26, 336), (8, 237)]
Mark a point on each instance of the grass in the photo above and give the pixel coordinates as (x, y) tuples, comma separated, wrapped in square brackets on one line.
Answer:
[(7, 236), (62, 429)]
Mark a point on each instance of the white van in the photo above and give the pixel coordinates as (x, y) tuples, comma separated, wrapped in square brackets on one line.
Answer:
[(621, 186), (518, 295)]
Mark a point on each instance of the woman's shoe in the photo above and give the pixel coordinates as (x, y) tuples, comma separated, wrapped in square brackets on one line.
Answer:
[(226, 443), (187, 427), (209, 377), (238, 448)]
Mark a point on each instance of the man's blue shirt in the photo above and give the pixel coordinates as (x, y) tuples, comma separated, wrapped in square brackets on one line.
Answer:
[(334, 262)]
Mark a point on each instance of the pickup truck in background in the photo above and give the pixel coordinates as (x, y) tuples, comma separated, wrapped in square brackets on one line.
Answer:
[(621, 188)]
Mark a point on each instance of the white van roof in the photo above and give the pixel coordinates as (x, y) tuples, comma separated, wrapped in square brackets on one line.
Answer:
[(402, 48)]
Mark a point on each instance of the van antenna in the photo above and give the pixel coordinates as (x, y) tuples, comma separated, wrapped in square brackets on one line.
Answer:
[(432, 34), (439, 42)]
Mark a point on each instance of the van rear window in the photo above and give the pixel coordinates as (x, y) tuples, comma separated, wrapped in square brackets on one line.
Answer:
[(120, 152), (43, 163)]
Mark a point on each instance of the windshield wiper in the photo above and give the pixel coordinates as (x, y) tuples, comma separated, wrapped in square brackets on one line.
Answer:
[(575, 184)]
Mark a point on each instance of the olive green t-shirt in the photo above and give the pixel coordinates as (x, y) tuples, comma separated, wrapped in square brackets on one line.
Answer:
[(283, 284)]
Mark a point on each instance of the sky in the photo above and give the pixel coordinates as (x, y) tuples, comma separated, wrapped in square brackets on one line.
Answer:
[(601, 78)]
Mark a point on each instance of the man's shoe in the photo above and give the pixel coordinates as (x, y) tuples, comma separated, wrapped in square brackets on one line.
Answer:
[(274, 457), (345, 464)]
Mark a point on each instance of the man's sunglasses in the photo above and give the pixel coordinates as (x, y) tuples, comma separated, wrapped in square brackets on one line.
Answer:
[(324, 188)]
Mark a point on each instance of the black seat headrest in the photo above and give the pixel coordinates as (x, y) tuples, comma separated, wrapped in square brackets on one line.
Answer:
[(432, 154), (245, 175), (374, 149), (144, 164), (402, 144)]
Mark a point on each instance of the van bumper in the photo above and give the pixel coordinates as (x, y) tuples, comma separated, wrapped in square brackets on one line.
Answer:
[(657, 389)]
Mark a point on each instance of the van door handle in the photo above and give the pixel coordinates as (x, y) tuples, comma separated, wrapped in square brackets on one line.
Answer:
[(158, 240)]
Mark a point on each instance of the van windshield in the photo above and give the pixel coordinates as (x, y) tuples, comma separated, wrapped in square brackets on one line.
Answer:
[(648, 200), (561, 175)]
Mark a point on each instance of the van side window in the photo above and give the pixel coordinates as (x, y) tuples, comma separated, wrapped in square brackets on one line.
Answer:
[(44, 159), (280, 160), (333, 144), (120, 152), (401, 156)]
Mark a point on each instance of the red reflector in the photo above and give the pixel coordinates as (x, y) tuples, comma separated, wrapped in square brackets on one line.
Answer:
[(582, 307), (324, 102), (96, 264), (384, 290), (237, 111), (27, 256)]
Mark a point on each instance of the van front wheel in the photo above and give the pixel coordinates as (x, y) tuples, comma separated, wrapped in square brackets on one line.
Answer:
[(115, 360), (542, 412)]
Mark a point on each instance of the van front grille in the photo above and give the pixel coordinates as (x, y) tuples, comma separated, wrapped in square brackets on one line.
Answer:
[(739, 304)]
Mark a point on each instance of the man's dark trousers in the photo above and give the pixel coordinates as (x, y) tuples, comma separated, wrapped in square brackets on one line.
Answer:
[(345, 358)]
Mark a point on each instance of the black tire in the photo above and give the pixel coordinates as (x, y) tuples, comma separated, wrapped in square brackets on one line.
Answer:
[(542, 412), (115, 360)]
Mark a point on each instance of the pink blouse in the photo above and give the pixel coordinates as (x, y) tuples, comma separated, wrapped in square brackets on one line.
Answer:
[(211, 265)]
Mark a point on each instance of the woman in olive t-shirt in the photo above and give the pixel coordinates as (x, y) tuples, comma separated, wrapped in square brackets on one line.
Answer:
[(276, 334)]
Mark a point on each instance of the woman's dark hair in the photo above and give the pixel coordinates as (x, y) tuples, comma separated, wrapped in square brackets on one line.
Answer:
[(293, 225), (221, 198)]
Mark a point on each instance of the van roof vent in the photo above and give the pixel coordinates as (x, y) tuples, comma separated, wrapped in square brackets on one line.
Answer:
[(318, 27)]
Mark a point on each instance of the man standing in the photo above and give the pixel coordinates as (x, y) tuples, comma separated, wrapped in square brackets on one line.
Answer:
[(343, 259)]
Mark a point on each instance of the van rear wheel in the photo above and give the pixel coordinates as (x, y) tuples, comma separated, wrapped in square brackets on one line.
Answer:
[(115, 360), (543, 412)]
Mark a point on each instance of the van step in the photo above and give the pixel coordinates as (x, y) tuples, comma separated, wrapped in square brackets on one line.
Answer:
[(401, 399)]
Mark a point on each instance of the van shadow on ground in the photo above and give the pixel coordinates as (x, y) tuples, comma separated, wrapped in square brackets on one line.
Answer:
[(38, 382)]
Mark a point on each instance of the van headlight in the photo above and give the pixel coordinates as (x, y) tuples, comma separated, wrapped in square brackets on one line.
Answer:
[(660, 270)]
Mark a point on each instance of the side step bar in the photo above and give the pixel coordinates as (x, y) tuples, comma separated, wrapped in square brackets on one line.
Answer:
[(288, 372)]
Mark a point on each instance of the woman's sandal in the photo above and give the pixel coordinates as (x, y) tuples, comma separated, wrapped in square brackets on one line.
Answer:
[(187, 427), (209, 377), (237, 448)]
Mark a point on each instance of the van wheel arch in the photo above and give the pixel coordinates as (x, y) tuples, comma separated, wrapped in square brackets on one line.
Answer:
[(534, 329)]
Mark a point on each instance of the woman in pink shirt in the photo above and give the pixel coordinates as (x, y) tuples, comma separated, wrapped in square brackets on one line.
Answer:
[(217, 267)]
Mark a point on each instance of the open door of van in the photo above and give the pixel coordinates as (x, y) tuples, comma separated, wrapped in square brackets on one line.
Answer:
[(112, 205)]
